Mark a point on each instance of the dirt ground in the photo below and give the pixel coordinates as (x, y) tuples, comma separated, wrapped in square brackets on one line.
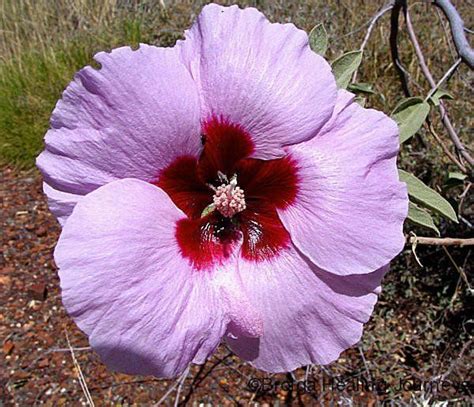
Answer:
[(416, 347)]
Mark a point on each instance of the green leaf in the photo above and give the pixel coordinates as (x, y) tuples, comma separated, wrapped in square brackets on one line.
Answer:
[(420, 217), (344, 66), (404, 103), (455, 179), (457, 176), (440, 94), (427, 196), (410, 115), (361, 88), (318, 39)]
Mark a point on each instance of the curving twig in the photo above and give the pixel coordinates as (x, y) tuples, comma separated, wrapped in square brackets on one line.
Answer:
[(465, 52), (80, 376), (445, 77), (440, 241), (451, 156), (455, 362), (402, 72), (427, 73), (198, 378), (373, 21), (461, 272)]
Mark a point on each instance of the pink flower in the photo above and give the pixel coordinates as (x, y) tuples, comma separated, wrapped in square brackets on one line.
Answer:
[(223, 189)]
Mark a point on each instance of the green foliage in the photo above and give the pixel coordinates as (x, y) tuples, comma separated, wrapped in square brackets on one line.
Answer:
[(455, 179), (318, 39), (427, 197), (410, 114), (438, 95), (344, 66), (28, 97), (366, 88), (132, 31), (32, 82), (420, 217), (459, 176), (414, 300)]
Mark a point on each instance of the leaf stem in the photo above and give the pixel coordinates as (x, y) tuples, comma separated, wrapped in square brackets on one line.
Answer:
[(445, 77)]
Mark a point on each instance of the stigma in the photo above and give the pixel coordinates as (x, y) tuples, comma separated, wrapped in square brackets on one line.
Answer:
[(229, 199)]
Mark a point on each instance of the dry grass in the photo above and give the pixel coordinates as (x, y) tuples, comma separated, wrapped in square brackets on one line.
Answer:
[(42, 44)]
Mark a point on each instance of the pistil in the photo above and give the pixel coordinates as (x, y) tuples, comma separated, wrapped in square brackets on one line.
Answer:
[(229, 199)]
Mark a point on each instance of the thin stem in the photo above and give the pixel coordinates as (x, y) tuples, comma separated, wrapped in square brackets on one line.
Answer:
[(426, 71), (458, 269), (440, 241), (370, 29), (451, 156), (82, 380), (441, 377), (178, 392), (445, 77)]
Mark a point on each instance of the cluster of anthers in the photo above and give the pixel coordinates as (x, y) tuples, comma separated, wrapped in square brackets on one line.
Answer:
[(229, 199)]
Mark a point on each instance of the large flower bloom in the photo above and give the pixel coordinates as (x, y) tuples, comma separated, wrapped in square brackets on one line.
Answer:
[(223, 189)]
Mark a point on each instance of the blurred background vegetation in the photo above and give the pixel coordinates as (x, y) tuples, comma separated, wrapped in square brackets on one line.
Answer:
[(424, 317), (43, 43)]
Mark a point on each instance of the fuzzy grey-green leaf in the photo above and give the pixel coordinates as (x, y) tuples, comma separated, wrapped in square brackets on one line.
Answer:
[(344, 66), (318, 39), (361, 88), (410, 115), (457, 176), (440, 94), (404, 103), (420, 217), (427, 196)]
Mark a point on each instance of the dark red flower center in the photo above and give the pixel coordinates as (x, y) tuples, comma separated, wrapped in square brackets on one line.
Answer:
[(192, 183)]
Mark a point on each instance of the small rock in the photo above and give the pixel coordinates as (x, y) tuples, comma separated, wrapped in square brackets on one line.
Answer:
[(5, 281), (43, 363), (38, 291), (41, 231), (8, 347)]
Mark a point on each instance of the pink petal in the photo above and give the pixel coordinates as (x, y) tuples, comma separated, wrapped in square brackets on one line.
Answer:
[(343, 99), (244, 318), (350, 207), (126, 285), (60, 203), (260, 76), (130, 118), (309, 316)]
